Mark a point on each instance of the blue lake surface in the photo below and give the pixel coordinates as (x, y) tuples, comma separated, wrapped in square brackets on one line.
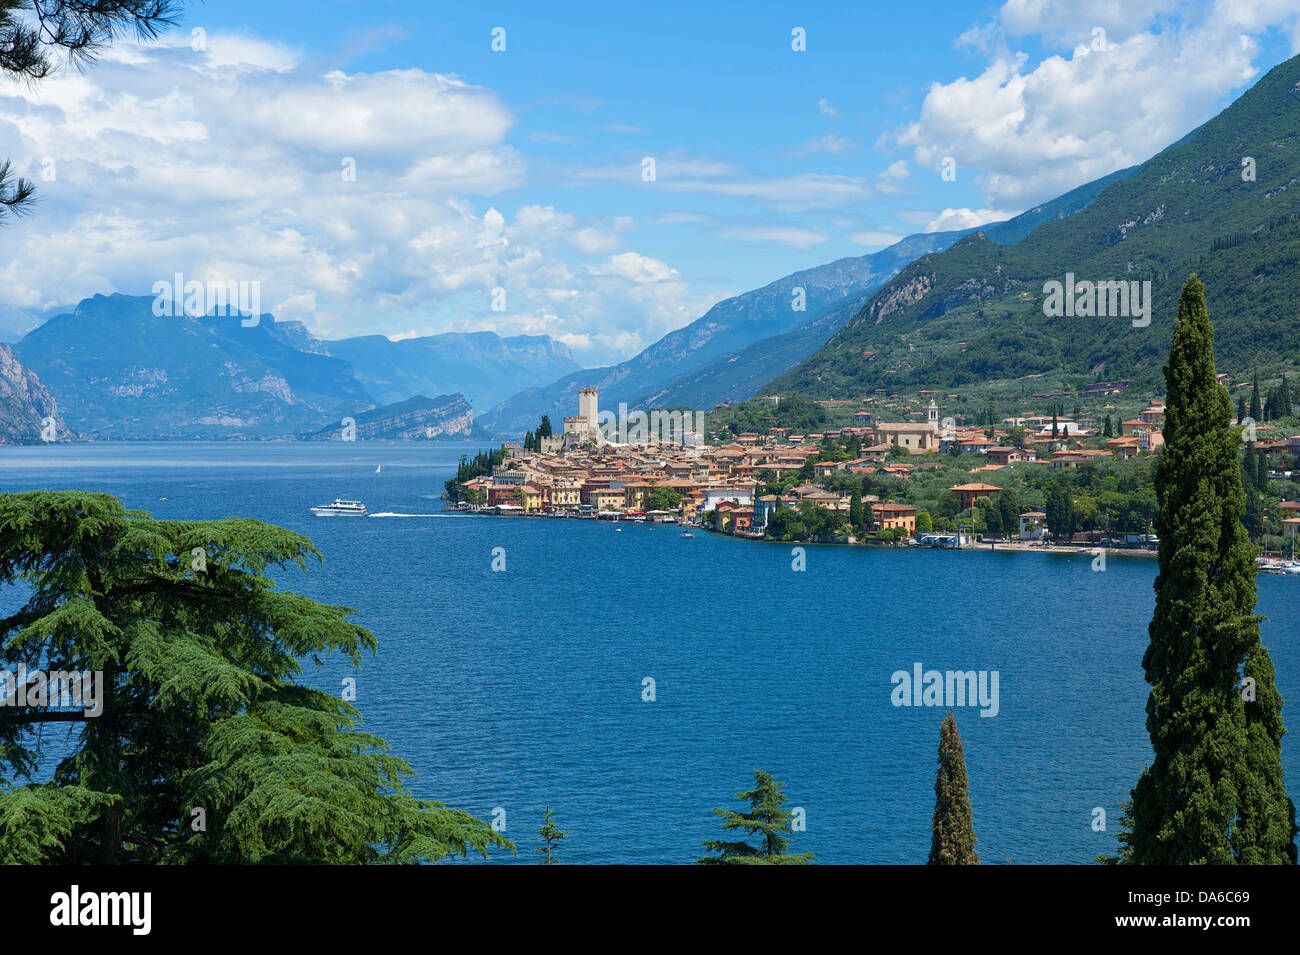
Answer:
[(522, 689)]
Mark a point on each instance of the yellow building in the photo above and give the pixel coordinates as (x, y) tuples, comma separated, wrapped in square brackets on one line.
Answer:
[(608, 499), (530, 496), (566, 495)]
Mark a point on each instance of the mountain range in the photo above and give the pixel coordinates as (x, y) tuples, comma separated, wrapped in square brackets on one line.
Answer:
[(118, 371), (1224, 202), (742, 342), (482, 366), (940, 310)]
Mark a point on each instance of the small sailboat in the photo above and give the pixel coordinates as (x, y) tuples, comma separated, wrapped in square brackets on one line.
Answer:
[(687, 534), (379, 468)]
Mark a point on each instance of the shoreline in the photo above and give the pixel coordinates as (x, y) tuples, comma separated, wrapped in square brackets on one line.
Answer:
[(1027, 547)]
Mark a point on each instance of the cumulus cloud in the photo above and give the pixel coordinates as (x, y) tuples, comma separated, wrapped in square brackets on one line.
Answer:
[(1129, 82), (891, 180), (362, 203), (953, 219)]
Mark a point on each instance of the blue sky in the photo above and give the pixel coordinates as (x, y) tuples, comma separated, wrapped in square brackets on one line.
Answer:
[(522, 170)]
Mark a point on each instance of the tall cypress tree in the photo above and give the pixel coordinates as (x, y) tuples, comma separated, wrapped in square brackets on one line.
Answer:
[(953, 830), (1214, 791), (1254, 398)]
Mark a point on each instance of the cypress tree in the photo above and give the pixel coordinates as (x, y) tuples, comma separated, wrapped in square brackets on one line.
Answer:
[(855, 508), (953, 830), (1241, 408), (1254, 399), (1214, 791)]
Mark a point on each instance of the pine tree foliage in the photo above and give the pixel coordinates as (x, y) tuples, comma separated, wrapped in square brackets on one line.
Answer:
[(1214, 792), (202, 710), (952, 840), (766, 819), (552, 835)]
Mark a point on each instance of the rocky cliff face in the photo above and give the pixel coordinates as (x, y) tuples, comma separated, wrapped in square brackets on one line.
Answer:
[(28, 413), (415, 419)]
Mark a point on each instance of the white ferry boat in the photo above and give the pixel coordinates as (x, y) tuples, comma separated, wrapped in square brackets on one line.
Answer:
[(340, 508)]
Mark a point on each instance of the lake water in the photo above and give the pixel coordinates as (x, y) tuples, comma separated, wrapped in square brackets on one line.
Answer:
[(520, 689)]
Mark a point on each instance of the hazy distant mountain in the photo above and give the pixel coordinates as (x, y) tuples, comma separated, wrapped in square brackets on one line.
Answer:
[(414, 419), (15, 322), (741, 375), (119, 371), (482, 366), (727, 328), (1222, 202), (28, 412)]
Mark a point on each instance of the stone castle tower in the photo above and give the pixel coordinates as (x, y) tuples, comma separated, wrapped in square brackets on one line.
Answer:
[(588, 407)]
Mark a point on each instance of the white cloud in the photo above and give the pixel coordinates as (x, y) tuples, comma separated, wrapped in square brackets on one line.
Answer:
[(826, 108), (1028, 132), (953, 219), (832, 143), (890, 181), (793, 236), (874, 237), (360, 202), (675, 173)]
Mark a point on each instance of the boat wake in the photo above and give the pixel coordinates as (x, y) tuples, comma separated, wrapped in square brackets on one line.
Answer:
[(394, 514)]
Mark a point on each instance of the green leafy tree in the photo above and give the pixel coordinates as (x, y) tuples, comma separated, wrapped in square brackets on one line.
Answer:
[(663, 499), (200, 706), (1214, 792), (551, 835), (924, 523), (766, 819), (952, 840), (855, 508)]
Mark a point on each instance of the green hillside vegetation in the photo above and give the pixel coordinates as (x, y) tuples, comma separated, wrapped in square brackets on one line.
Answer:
[(974, 313), (1111, 496)]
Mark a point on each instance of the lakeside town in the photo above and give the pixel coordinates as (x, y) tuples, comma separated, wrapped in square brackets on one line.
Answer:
[(1039, 480)]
